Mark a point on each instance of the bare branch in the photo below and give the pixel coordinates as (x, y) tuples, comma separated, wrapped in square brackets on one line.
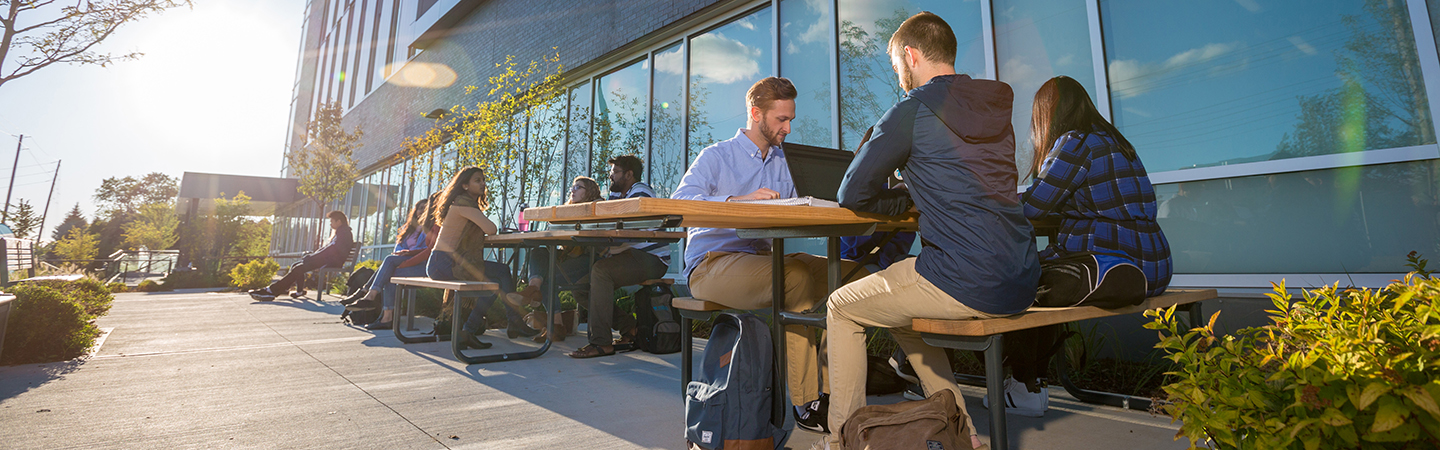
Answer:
[(69, 37)]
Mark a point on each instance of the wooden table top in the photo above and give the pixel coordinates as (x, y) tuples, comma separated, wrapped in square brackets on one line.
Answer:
[(697, 213), (569, 235)]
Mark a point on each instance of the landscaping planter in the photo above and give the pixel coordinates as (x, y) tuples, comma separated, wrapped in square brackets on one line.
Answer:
[(6, 300)]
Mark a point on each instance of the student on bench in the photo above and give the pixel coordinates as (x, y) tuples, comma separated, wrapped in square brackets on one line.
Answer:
[(952, 134)]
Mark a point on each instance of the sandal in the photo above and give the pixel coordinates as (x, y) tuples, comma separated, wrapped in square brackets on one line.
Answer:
[(591, 351)]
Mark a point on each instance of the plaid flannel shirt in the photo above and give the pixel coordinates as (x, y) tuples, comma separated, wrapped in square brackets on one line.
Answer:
[(1104, 202)]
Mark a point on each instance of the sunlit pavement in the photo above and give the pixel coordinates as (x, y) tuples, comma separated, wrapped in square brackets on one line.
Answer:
[(207, 370)]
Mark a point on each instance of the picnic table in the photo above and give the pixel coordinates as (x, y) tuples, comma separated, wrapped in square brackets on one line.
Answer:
[(550, 239)]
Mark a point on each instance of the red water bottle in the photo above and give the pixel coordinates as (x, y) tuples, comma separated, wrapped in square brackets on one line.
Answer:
[(520, 222)]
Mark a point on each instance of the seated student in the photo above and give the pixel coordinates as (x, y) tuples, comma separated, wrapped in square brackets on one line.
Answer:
[(458, 253), (735, 272), (331, 255), (412, 250), (571, 266), (1089, 177), (622, 265), (953, 136)]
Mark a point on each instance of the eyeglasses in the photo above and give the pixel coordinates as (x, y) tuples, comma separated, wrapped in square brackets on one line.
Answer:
[(576, 187)]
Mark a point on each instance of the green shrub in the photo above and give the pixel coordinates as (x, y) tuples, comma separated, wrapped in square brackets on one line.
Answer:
[(149, 286), (91, 294), (117, 287), (1339, 368), (254, 274), (191, 279), (47, 324)]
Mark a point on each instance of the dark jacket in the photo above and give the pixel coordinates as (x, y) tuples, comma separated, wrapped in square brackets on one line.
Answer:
[(335, 252), (953, 138)]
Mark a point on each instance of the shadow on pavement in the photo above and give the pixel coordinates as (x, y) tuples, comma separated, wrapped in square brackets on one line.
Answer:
[(16, 380)]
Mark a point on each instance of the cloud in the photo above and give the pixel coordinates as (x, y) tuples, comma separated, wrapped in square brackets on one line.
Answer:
[(1129, 77), (723, 60), (1303, 46), (1066, 60), (1014, 69), (1249, 5), (671, 62)]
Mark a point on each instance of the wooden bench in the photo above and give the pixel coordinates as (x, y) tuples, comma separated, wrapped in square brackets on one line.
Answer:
[(986, 335), (406, 289), (322, 275)]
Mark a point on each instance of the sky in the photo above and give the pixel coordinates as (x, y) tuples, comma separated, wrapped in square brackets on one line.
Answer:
[(211, 94)]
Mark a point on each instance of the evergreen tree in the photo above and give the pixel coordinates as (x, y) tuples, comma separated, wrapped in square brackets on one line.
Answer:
[(75, 219), (24, 220)]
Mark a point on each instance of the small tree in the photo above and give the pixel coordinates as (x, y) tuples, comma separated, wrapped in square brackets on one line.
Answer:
[(325, 165), (127, 195), (24, 220), (154, 228), (67, 35), (78, 245), (73, 219)]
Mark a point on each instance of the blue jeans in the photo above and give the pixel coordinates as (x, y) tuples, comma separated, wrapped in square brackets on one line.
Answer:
[(389, 268), (441, 266)]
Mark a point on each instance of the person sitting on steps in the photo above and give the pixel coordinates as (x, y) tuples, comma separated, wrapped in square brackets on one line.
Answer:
[(332, 254)]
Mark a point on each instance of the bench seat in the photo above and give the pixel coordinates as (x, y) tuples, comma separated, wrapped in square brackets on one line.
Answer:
[(453, 285), (1039, 317), (695, 304)]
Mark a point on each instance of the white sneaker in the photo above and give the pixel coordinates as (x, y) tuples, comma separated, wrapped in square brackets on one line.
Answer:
[(1021, 401)]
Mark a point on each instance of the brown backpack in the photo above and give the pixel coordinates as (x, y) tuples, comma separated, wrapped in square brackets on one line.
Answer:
[(934, 423)]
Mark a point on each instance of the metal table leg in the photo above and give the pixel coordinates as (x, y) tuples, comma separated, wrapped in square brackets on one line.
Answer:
[(405, 299), (994, 348), (551, 304), (777, 301)]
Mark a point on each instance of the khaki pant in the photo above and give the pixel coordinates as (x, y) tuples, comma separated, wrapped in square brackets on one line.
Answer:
[(888, 299), (743, 281)]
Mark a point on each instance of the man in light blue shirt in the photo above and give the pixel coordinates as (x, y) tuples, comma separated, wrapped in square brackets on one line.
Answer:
[(735, 272)]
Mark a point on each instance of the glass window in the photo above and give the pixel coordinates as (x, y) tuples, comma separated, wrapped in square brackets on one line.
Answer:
[(1347, 220), (1196, 84), (868, 84), (546, 155), (1036, 40), (807, 46), (577, 147), (1434, 7), (667, 138), (619, 127), (724, 63)]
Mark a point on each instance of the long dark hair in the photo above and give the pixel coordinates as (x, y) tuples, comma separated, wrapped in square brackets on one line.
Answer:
[(418, 220), (1062, 106), (454, 189)]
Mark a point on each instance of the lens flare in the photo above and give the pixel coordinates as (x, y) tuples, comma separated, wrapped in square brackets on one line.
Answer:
[(424, 75)]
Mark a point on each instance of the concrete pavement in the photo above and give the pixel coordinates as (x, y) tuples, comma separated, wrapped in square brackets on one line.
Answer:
[(217, 370)]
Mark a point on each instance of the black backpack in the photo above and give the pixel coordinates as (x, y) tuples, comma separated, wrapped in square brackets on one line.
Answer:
[(730, 406), (657, 325), (357, 281)]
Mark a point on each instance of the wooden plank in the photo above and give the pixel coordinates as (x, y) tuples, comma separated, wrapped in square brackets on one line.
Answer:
[(450, 285), (716, 214), (567, 235), (1037, 317), (693, 304)]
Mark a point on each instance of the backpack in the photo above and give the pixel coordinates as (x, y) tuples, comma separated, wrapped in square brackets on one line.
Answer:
[(730, 406), (657, 325), (934, 423), (1105, 280)]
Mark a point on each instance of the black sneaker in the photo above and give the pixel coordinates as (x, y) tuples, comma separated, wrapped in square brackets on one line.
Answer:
[(902, 367), (262, 295), (815, 415)]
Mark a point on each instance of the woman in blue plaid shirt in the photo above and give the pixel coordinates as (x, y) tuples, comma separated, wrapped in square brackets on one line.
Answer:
[(1089, 177)]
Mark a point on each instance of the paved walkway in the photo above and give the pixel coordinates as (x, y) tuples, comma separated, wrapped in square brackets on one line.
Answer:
[(213, 370)]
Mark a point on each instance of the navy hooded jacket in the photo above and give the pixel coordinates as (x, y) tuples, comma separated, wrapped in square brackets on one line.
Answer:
[(954, 140)]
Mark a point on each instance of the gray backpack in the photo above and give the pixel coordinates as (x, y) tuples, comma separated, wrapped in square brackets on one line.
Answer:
[(730, 406)]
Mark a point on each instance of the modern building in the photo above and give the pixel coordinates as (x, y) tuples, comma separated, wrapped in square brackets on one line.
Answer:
[(1287, 140)]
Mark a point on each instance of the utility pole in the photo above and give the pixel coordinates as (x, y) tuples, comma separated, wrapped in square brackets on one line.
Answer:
[(41, 233), (5, 217)]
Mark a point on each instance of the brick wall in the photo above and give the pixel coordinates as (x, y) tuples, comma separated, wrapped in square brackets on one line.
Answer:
[(527, 29)]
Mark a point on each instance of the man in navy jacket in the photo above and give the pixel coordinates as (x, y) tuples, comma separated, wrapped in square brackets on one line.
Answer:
[(952, 136)]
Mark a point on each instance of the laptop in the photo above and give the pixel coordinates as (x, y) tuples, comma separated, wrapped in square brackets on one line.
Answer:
[(817, 171)]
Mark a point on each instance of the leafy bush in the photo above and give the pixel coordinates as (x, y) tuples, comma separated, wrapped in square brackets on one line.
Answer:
[(191, 279), (253, 274), (51, 321), (117, 287), (1336, 369), (149, 286)]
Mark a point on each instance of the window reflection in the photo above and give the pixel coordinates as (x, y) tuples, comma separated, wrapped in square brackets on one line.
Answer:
[(667, 146), (1035, 41), (723, 64), (619, 127), (868, 85), (545, 155), (578, 143), (1348, 220), (1196, 84), (807, 30)]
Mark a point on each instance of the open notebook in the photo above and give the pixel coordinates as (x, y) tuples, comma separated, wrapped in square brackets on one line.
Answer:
[(797, 201)]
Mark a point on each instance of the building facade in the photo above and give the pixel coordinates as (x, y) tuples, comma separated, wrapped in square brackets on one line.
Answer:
[(1287, 139)]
